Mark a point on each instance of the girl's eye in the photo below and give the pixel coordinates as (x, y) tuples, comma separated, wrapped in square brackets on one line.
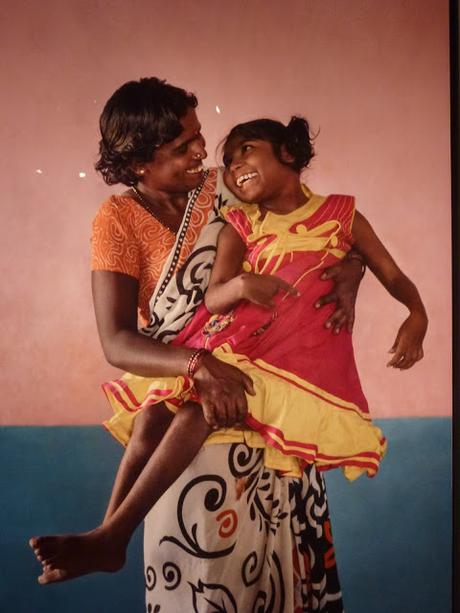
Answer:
[(246, 147)]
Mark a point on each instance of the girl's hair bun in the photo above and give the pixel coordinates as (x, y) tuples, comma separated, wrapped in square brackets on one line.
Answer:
[(298, 142)]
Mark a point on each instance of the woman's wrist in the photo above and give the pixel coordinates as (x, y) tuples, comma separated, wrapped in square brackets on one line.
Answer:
[(194, 361), (355, 257)]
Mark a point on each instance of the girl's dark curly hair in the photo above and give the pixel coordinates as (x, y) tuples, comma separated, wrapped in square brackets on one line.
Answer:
[(295, 137), (137, 119)]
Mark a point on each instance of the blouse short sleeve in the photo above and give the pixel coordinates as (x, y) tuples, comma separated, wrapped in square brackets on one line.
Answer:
[(113, 246), (239, 217)]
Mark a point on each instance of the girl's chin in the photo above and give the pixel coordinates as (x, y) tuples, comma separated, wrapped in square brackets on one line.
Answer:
[(249, 195)]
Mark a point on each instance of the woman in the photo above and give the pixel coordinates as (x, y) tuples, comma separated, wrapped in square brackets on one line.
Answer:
[(230, 533)]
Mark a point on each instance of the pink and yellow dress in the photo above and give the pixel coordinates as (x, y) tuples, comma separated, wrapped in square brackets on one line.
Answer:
[(309, 406)]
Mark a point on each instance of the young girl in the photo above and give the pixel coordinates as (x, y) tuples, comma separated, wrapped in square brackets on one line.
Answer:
[(307, 404)]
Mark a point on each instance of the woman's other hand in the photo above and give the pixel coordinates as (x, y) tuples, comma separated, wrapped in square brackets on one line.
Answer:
[(222, 389), (347, 276), (407, 348)]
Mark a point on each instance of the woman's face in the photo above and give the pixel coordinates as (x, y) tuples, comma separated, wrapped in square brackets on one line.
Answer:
[(252, 170), (177, 166)]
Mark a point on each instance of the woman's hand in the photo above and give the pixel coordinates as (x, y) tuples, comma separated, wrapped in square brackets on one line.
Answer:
[(260, 289), (407, 348), (347, 277), (222, 389)]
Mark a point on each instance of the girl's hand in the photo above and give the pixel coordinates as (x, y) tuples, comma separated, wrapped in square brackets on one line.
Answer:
[(260, 289), (407, 348), (222, 389), (347, 276)]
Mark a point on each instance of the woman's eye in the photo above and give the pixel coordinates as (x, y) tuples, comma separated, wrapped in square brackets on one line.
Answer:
[(182, 149), (245, 148)]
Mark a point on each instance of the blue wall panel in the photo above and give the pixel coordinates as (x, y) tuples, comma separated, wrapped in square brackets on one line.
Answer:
[(392, 533)]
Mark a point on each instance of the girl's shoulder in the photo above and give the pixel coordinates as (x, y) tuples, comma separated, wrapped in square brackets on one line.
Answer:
[(334, 206), (241, 216), (239, 209)]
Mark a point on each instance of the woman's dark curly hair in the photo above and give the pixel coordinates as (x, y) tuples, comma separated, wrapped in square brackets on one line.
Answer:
[(137, 119), (295, 137)]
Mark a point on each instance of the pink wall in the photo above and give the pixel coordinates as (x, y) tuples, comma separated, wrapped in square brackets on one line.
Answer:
[(372, 75)]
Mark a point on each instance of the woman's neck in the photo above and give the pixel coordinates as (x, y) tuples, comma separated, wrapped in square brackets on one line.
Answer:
[(164, 201)]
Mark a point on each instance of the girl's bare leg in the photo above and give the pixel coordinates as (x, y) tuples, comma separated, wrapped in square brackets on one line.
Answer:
[(104, 549), (149, 428)]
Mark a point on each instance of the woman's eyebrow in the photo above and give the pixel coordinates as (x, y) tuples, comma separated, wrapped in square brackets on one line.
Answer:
[(189, 140)]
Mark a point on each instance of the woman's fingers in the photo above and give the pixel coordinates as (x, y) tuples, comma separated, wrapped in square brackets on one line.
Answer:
[(326, 299), (248, 384), (336, 321), (330, 273)]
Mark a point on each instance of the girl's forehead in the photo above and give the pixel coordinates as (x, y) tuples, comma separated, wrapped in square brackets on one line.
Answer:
[(236, 141)]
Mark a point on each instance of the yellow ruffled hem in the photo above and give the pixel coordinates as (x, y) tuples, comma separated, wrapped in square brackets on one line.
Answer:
[(294, 421)]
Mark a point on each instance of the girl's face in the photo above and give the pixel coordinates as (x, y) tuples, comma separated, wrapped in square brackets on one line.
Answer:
[(252, 170)]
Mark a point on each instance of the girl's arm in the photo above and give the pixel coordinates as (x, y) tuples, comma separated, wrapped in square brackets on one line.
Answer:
[(228, 285), (407, 348)]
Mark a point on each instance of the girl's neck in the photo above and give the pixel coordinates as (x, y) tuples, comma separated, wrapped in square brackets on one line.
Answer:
[(292, 197)]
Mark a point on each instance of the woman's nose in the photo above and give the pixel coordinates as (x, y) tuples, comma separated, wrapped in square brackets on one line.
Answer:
[(199, 149)]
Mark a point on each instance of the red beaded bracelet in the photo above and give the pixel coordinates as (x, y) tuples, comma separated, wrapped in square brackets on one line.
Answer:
[(194, 360)]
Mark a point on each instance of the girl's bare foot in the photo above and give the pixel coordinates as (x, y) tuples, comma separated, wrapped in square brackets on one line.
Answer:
[(68, 556)]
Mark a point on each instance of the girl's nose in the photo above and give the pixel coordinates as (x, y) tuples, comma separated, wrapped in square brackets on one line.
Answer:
[(235, 164)]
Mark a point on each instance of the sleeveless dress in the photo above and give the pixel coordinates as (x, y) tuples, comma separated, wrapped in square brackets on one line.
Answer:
[(309, 406)]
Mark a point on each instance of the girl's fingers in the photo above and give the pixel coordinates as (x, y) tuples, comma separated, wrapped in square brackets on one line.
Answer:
[(398, 356), (282, 284)]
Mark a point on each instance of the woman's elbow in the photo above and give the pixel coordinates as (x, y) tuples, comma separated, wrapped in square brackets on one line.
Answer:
[(113, 351)]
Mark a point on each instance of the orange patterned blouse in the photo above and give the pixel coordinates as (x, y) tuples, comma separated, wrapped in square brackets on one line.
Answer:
[(127, 239)]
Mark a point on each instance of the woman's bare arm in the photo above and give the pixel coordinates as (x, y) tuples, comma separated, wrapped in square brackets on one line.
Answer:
[(221, 386), (115, 298), (407, 347)]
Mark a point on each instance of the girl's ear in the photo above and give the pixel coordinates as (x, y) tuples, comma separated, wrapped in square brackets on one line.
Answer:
[(286, 157)]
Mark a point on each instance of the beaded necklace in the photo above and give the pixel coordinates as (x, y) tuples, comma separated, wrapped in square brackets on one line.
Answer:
[(148, 206)]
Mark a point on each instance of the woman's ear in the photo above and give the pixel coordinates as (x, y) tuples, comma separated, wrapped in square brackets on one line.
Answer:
[(286, 157), (138, 170)]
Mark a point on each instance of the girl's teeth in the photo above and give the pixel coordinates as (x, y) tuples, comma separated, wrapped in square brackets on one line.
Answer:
[(244, 178)]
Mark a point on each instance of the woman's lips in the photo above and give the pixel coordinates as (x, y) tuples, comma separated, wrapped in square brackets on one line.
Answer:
[(195, 171)]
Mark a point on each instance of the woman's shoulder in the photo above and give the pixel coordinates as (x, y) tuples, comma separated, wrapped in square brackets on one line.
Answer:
[(117, 205)]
